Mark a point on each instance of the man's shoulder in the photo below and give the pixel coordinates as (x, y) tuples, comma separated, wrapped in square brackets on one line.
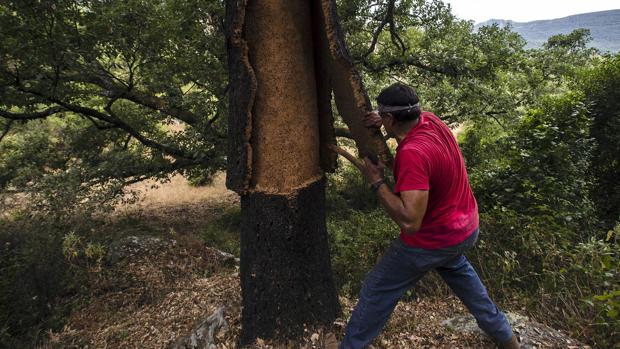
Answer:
[(431, 118), (429, 114), (411, 151)]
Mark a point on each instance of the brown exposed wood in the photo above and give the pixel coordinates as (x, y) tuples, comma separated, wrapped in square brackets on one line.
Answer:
[(285, 125)]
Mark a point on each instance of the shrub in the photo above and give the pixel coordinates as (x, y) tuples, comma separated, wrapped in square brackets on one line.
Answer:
[(601, 86), (356, 242), (34, 274)]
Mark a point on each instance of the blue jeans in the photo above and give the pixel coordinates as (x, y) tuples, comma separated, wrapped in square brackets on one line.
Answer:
[(399, 270)]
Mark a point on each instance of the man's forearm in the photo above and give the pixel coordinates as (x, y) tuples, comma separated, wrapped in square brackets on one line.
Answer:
[(395, 208)]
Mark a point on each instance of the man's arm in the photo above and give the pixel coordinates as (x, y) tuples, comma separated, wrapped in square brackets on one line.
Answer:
[(407, 210)]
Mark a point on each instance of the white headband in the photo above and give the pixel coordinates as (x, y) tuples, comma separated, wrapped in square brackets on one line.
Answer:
[(395, 108)]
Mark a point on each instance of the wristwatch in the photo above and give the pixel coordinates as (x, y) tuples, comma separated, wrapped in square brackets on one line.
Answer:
[(376, 185)]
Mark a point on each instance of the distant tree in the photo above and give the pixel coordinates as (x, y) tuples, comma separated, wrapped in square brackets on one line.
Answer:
[(575, 40)]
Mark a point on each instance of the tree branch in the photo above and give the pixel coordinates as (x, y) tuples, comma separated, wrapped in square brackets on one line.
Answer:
[(343, 132), (7, 128), (131, 178), (111, 119), (31, 116), (410, 61), (375, 36), (388, 19), (102, 79)]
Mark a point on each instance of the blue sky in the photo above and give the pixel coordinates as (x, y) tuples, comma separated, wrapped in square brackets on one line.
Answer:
[(526, 10)]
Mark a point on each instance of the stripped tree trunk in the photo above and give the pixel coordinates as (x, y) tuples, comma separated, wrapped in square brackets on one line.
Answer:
[(285, 58)]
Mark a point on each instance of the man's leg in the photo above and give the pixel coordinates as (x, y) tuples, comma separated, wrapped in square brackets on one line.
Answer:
[(382, 288), (463, 280)]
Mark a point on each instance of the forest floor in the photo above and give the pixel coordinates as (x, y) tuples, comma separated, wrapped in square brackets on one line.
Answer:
[(160, 284)]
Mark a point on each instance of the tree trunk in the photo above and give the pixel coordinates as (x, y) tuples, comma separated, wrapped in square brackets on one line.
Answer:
[(286, 278), (283, 56), (285, 270)]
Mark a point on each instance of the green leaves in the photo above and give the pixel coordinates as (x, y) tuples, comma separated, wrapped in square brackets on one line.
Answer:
[(141, 85)]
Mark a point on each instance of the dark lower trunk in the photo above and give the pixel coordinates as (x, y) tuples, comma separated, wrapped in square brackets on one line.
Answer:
[(286, 277)]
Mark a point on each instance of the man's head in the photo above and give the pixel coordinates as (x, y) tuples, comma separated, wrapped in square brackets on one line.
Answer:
[(401, 101), (398, 106)]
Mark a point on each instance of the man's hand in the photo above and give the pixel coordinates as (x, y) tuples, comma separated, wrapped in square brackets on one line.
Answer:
[(371, 172), (407, 209), (373, 119)]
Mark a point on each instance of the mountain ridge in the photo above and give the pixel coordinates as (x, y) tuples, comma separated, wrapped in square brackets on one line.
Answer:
[(604, 27)]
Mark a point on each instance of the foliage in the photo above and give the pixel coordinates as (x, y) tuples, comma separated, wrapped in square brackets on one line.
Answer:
[(601, 86), (459, 73), (572, 283), (544, 167), (359, 230), (111, 92), (76, 250), (34, 274), (541, 240)]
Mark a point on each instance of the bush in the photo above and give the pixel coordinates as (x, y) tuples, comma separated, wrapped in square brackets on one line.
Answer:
[(540, 239), (574, 284), (358, 229), (356, 242), (34, 274), (601, 86)]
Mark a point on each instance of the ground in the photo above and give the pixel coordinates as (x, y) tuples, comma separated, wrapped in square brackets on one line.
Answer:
[(153, 288)]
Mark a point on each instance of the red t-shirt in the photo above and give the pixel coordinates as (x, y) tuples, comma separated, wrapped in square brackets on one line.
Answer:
[(428, 158)]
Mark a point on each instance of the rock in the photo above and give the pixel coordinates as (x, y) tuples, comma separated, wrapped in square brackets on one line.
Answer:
[(132, 246), (203, 333), (222, 257), (530, 333)]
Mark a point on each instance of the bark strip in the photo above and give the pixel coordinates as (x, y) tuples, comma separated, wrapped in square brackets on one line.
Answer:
[(351, 98), (324, 91), (241, 99)]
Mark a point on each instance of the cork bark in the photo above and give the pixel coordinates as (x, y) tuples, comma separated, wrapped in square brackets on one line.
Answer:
[(241, 99), (275, 164), (286, 278), (350, 95)]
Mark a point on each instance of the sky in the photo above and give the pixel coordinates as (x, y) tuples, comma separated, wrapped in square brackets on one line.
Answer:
[(526, 10)]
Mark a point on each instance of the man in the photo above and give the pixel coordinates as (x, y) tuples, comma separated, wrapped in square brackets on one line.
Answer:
[(435, 208)]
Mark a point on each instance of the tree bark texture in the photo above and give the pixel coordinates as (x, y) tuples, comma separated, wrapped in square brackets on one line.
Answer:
[(286, 278), (350, 95), (285, 58)]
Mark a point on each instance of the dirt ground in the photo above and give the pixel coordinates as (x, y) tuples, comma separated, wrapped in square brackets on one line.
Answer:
[(150, 300), (177, 205)]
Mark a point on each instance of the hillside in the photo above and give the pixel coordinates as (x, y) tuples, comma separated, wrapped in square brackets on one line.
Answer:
[(161, 279), (604, 27)]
